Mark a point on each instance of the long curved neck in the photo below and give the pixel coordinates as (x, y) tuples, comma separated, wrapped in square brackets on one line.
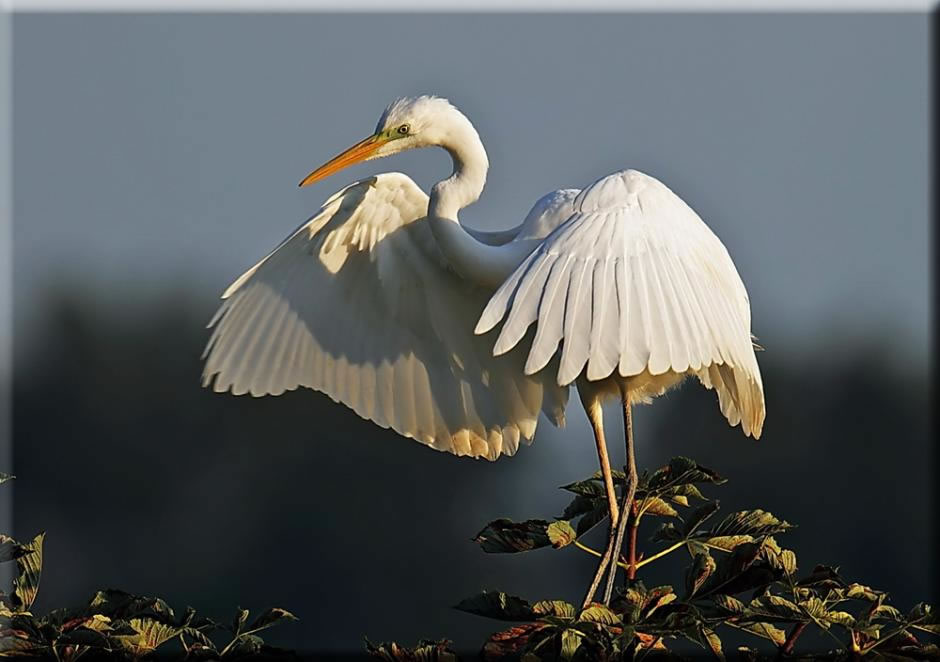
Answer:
[(475, 261), (465, 184)]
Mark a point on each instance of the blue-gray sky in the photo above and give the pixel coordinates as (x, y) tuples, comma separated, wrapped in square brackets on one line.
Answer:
[(156, 153), (155, 149)]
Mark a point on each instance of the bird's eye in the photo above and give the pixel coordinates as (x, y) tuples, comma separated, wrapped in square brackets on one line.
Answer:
[(404, 129)]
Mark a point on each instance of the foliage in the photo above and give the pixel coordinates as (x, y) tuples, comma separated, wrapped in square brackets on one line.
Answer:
[(114, 623), (738, 578)]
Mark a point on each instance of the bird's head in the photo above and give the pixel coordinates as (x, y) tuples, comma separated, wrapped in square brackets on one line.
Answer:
[(407, 123)]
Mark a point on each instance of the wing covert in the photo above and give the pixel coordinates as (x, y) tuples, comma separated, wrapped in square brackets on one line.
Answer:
[(359, 303), (634, 281)]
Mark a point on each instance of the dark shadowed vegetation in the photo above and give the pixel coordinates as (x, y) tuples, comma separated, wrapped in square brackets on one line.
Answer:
[(736, 578), (144, 480)]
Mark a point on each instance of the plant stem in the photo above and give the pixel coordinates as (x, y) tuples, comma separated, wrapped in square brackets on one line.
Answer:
[(795, 633), (631, 544)]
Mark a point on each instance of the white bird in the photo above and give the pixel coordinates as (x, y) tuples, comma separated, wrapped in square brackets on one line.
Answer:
[(458, 338)]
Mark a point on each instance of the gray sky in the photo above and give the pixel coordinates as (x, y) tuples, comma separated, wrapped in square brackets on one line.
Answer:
[(155, 150)]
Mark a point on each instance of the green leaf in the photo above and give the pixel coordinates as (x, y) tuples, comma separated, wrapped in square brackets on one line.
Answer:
[(592, 519), (270, 617), (823, 576), (729, 603), (714, 643), (739, 571), (570, 643), (598, 613), (558, 608), (503, 536), (10, 549), (842, 618), (498, 605), (862, 592), (244, 645), (592, 487), (681, 471), (513, 641), (926, 619), (703, 565), (755, 523), (695, 518), (560, 534), (241, 616), (5, 477), (656, 506), (425, 651), (121, 605), (148, 635), (581, 505), (764, 630), (29, 563)]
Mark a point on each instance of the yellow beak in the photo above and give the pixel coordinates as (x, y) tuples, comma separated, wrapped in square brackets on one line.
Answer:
[(358, 152)]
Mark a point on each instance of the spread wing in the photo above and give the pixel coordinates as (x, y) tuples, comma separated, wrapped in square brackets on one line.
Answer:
[(634, 280), (359, 303)]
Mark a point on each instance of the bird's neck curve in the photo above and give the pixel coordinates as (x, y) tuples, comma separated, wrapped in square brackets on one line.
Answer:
[(466, 182), (476, 262)]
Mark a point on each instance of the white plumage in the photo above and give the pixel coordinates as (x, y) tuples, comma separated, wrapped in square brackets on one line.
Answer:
[(359, 303), (378, 299)]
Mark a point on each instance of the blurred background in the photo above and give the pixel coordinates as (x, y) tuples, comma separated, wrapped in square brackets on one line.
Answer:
[(156, 157)]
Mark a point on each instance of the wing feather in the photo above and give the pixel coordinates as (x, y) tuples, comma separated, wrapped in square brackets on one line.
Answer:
[(360, 304), (634, 281)]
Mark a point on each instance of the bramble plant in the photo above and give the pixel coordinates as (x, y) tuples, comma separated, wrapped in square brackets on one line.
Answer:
[(114, 624), (738, 578)]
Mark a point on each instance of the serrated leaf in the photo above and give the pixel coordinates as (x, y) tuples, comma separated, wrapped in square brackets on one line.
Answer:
[(591, 519), (245, 645), (757, 523), (10, 549), (923, 617), (592, 487), (560, 534), (764, 630), (558, 608), (726, 543), (683, 470), (823, 576), (862, 592), (728, 577), (729, 603), (581, 505), (842, 618), (656, 506), (241, 616), (503, 536), (270, 617), (886, 611), (714, 643), (512, 641), (29, 564), (570, 643), (148, 635), (703, 565), (498, 605), (698, 516), (668, 532), (425, 651), (598, 613)]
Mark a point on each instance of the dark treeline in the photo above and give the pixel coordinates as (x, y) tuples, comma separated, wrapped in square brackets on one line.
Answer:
[(146, 482)]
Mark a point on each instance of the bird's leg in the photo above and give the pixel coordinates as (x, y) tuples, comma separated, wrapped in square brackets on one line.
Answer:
[(627, 504), (595, 415)]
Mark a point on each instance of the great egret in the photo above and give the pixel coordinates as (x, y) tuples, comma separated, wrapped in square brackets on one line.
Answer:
[(386, 303)]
